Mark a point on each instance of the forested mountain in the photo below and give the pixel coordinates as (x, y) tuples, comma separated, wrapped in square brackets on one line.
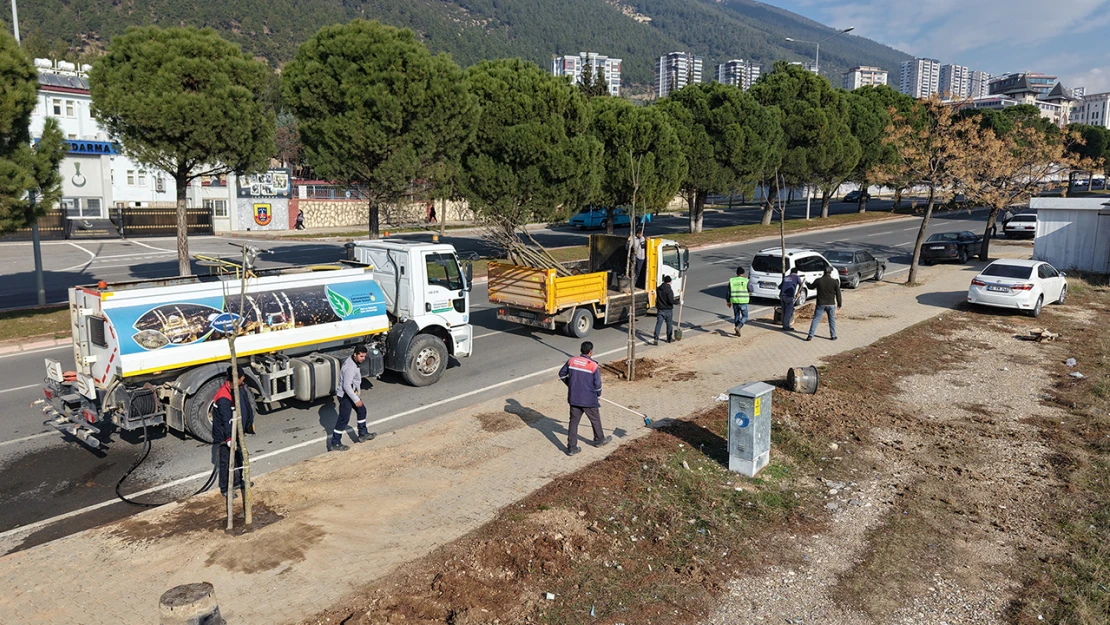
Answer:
[(472, 30)]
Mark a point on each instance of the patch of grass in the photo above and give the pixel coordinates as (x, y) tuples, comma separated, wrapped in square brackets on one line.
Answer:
[(42, 323), (1073, 586), (651, 534)]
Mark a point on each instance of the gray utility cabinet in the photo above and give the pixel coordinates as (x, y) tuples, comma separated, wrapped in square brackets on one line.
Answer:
[(749, 427)]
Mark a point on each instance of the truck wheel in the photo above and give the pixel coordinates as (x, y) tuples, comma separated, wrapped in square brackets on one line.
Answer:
[(426, 361), (198, 419), (581, 322)]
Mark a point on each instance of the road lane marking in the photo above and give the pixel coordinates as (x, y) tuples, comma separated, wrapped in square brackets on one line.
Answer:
[(160, 249), (92, 257), (38, 351), (879, 234), (28, 438), (18, 388)]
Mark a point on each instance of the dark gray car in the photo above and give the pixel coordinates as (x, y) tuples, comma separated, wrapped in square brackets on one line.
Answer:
[(855, 266)]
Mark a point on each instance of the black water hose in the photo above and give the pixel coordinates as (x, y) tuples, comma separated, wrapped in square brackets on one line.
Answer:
[(135, 465)]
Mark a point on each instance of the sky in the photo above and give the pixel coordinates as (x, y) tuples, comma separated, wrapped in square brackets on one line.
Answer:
[(1066, 38)]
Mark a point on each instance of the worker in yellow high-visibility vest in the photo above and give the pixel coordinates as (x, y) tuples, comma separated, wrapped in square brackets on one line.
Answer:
[(739, 294)]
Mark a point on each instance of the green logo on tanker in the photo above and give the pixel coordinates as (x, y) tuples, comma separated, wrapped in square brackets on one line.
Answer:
[(341, 305)]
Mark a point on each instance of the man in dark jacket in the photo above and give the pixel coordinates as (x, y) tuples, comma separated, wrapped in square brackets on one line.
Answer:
[(664, 309), (788, 296), (222, 424), (582, 375), (828, 302)]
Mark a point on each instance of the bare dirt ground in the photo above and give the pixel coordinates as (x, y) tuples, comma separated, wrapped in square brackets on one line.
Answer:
[(951, 473)]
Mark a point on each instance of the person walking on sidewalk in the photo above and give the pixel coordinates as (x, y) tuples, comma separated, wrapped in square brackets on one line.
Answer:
[(664, 309), (224, 420), (739, 294), (788, 296), (350, 379), (582, 375), (828, 302)]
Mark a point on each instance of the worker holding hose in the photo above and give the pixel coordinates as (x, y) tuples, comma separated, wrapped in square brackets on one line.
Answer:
[(582, 375)]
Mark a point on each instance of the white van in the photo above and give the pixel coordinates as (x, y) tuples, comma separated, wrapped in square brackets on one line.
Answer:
[(766, 271)]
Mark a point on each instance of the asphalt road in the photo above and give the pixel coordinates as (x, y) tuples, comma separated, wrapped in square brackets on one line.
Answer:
[(53, 487), (72, 263)]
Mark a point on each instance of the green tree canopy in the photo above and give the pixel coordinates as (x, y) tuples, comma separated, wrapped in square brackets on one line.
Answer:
[(1004, 121), (728, 138), (374, 107), (871, 108), (642, 156), (532, 155), (187, 102), (25, 171), (1095, 144), (819, 145)]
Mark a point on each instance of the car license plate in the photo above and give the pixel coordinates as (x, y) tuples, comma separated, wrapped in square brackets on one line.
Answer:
[(998, 289), (936, 247), (766, 285)]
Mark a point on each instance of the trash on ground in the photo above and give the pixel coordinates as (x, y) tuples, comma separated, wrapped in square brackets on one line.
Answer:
[(1042, 334), (1070, 362), (1077, 375)]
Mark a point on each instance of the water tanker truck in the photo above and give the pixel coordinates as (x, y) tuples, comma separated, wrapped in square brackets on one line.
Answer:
[(155, 352)]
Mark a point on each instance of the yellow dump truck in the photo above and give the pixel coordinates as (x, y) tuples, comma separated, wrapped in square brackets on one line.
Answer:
[(597, 293)]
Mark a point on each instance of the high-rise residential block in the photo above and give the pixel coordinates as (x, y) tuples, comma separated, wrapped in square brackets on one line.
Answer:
[(739, 73), (864, 76), (955, 82), (573, 64), (675, 71), (920, 78), (979, 84)]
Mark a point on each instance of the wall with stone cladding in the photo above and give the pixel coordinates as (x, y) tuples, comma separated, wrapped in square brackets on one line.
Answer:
[(354, 213)]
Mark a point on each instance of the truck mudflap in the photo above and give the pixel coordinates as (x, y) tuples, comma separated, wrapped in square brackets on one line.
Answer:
[(464, 340), (527, 318)]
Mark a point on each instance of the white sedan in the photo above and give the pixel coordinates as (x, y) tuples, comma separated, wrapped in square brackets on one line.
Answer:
[(1026, 285)]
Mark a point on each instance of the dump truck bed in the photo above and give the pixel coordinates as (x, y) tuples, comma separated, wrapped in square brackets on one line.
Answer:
[(541, 290)]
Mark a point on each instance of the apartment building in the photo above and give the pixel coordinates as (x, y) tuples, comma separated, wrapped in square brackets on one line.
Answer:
[(955, 82), (1021, 82), (675, 71), (979, 84), (920, 78), (739, 73), (863, 76), (1093, 110), (573, 65)]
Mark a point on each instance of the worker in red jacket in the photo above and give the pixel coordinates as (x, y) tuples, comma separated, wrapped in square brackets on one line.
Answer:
[(582, 375), (222, 424)]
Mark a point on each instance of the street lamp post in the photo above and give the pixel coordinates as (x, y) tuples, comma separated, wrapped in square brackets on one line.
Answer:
[(816, 70), (817, 59)]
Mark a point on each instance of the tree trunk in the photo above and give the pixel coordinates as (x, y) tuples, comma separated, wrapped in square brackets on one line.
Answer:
[(374, 231), (985, 248), (609, 217), (790, 195), (863, 196), (442, 218), (183, 266), (769, 209), (921, 237), (695, 201), (898, 199), (825, 199)]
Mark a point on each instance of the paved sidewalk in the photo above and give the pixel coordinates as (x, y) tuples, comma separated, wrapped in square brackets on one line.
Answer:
[(352, 518)]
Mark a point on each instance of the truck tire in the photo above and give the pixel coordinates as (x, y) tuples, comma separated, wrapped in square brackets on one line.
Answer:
[(580, 324), (198, 420), (426, 360)]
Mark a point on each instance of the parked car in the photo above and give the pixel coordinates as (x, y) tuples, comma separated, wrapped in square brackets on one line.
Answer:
[(958, 246), (1025, 285), (766, 270), (1024, 225), (853, 196), (598, 217), (854, 266)]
